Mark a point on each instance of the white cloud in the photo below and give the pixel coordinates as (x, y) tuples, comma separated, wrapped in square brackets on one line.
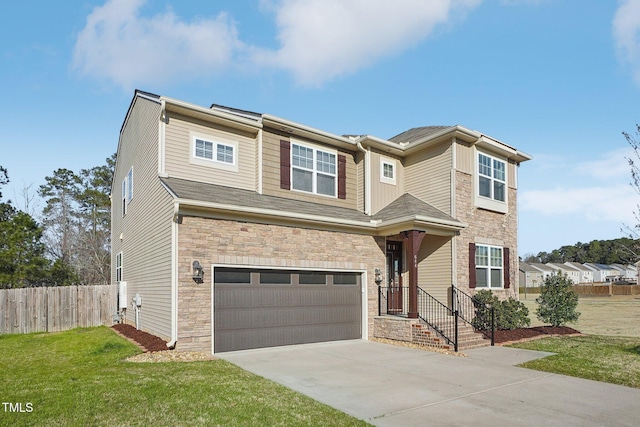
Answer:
[(324, 39), (612, 165), (626, 33), (319, 39), (119, 45), (600, 203)]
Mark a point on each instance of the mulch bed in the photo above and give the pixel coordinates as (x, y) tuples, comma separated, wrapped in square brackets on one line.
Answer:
[(148, 342), (502, 337)]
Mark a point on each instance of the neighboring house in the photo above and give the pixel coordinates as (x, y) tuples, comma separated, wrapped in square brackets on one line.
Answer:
[(602, 272), (568, 270), (241, 230), (586, 274), (626, 272), (544, 269), (530, 276)]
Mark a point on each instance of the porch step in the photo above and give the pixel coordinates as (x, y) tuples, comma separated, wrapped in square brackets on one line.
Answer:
[(468, 338)]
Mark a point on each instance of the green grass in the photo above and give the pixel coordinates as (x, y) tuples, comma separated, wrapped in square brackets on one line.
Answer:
[(608, 359), (80, 378)]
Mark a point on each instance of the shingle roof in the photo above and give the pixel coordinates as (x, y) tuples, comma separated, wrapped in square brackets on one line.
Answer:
[(203, 192), (409, 205), (403, 207), (415, 134)]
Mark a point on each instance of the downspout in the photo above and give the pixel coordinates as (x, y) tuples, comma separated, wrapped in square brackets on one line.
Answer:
[(161, 138), (367, 177), (174, 276)]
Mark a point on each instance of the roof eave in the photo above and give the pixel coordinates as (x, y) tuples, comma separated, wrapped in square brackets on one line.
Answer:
[(297, 129)]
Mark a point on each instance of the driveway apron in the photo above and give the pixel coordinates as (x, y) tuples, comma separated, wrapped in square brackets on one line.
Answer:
[(388, 385)]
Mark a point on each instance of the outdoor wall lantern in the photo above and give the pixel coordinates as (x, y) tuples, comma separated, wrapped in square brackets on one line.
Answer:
[(198, 272), (378, 276)]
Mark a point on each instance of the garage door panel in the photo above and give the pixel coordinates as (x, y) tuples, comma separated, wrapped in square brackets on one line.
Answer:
[(255, 316)]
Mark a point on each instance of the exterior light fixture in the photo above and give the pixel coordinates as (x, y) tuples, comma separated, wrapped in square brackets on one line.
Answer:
[(198, 272)]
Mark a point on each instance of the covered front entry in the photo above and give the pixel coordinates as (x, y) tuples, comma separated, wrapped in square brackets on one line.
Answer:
[(255, 308)]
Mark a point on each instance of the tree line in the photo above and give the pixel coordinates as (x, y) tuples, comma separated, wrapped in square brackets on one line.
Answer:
[(69, 243), (617, 251)]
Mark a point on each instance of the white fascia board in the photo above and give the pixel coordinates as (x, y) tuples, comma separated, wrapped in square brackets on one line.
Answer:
[(251, 211), (254, 124), (297, 129), (433, 225), (381, 144)]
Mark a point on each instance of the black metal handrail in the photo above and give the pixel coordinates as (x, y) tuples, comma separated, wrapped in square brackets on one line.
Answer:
[(468, 306), (440, 317)]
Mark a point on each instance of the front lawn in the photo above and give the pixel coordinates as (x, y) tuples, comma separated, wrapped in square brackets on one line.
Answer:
[(613, 360), (80, 378)]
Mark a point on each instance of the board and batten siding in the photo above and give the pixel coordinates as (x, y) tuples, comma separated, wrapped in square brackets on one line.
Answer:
[(428, 175), (383, 193), (178, 153), (271, 174), (143, 235)]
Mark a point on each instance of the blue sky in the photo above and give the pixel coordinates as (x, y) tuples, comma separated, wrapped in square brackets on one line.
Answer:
[(557, 79)]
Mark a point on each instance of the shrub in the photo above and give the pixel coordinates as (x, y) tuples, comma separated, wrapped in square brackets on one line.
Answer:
[(513, 315), (557, 301), (509, 314), (483, 301)]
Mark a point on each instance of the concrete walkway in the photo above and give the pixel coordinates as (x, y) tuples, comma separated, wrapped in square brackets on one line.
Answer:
[(388, 385)]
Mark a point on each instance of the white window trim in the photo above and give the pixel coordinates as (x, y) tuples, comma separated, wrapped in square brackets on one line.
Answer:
[(315, 172), (391, 162), (486, 202), (127, 191), (489, 267), (119, 269), (213, 162)]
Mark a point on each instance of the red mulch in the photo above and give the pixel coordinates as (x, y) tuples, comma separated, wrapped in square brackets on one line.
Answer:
[(530, 333), (149, 342)]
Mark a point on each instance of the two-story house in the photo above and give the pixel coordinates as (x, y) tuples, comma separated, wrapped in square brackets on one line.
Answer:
[(242, 230)]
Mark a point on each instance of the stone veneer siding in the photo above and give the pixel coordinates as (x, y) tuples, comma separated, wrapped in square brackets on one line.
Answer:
[(485, 227), (213, 241)]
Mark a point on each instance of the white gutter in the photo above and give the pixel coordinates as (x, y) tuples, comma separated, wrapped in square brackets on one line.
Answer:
[(297, 128), (214, 113), (277, 213)]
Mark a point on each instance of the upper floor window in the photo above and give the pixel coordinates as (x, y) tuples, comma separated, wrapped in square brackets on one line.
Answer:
[(492, 177), (313, 170), (127, 191), (387, 171), (217, 151)]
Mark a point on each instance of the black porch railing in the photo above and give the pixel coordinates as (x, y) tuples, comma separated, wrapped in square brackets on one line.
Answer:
[(440, 317), (469, 307)]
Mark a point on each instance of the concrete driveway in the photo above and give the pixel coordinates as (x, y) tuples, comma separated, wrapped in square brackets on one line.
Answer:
[(388, 385)]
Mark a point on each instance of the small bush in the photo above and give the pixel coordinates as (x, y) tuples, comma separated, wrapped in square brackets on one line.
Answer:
[(513, 315), (509, 314), (557, 301)]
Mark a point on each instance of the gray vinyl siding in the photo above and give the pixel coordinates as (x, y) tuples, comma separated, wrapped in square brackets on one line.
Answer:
[(143, 235), (435, 266), (271, 174), (384, 193), (428, 175), (178, 157)]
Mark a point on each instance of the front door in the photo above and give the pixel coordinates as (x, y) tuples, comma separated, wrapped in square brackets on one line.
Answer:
[(394, 277)]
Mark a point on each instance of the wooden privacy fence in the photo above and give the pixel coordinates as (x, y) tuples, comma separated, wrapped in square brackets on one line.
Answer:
[(26, 310)]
